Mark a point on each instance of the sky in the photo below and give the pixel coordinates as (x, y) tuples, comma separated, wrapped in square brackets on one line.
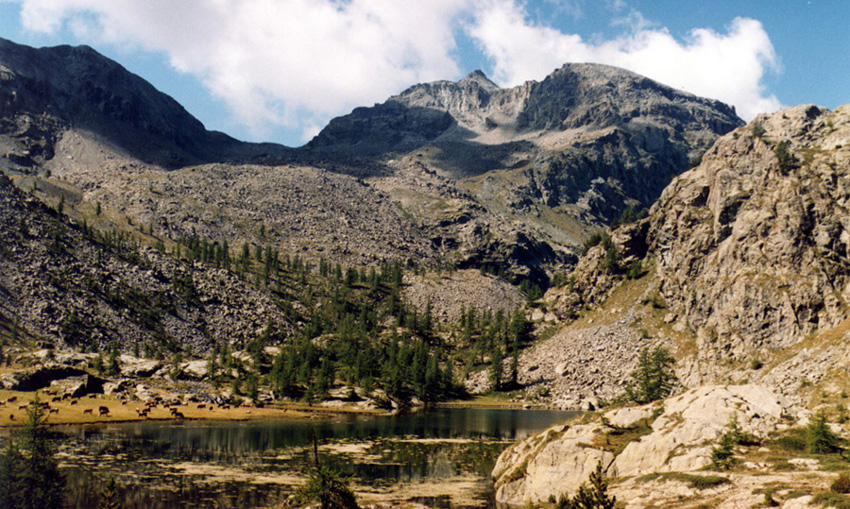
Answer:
[(279, 70)]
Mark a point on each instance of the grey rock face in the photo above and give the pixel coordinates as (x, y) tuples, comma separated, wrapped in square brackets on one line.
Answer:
[(754, 248), (750, 252), (590, 135), (45, 89)]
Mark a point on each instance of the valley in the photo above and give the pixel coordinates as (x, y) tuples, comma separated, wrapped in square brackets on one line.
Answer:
[(459, 244)]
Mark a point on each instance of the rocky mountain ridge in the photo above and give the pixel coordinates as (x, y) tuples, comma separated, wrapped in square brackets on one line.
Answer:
[(588, 141), (505, 180), (47, 90)]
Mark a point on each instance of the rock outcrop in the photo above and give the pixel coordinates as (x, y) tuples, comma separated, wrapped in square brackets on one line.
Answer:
[(675, 435), (747, 253), (752, 246)]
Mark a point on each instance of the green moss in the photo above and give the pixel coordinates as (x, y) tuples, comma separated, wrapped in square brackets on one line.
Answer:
[(700, 482), (615, 440), (829, 499)]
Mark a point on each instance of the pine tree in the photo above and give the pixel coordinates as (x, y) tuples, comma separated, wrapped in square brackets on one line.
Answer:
[(820, 439), (496, 369), (43, 484), (11, 476), (654, 378), (594, 496), (722, 455), (109, 496), (327, 485)]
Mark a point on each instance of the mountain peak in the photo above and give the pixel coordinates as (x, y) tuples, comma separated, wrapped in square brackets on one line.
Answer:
[(478, 77)]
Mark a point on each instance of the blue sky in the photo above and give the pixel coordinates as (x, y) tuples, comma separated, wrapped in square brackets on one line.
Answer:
[(278, 70)]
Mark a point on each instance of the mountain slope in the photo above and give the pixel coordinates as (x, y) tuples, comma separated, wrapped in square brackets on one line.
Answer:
[(76, 287), (47, 90), (465, 174), (749, 275)]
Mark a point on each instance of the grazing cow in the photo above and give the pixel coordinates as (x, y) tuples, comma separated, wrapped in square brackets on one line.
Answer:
[(103, 410), (55, 399), (22, 407), (92, 396), (201, 406), (12, 399), (178, 415), (54, 411), (74, 401), (123, 403), (87, 411), (2, 403)]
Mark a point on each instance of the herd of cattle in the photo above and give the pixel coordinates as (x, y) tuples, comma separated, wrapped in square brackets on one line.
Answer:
[(173, 406)]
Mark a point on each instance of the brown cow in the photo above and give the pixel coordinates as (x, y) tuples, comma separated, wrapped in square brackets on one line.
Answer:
[(87, 411)]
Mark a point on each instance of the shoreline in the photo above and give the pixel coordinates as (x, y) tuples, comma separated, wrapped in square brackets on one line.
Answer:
[(86, 410)]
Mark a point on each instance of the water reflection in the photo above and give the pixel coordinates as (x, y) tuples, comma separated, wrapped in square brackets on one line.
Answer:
[(248, 464)]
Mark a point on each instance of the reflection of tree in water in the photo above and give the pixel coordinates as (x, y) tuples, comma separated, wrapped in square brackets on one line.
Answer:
[(168, 491), (145, 458), (417, 459)]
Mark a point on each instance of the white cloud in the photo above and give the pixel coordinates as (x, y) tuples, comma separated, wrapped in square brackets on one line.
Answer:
[(297, 63), (726, 66)]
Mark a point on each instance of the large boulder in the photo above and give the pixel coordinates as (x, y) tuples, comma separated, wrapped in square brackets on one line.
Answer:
[(137, 367), (195, 370), (78, 386), (674, 435)]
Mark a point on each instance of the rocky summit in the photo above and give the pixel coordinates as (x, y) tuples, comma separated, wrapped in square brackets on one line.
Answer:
[(474, 176)]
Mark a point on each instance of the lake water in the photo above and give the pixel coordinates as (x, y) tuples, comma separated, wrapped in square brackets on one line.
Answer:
[(441, 458)]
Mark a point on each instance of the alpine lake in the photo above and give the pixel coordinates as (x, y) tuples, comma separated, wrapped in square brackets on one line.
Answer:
[(440, 458)]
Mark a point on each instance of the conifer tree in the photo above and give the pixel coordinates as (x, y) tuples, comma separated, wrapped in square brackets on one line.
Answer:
[(109, 496), (594, 496), (496, 369), (654, 378), (820, 439), (43, 484)]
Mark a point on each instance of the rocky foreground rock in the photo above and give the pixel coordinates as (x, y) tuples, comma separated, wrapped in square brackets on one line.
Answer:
[(676, 435)]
